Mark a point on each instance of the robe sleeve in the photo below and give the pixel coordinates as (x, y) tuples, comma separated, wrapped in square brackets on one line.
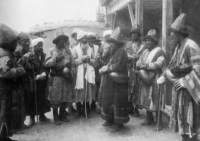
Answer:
[(92, 58), (25, 62), (194, 56), (77, 60), (52, 61), (7, 70), (158, 64)]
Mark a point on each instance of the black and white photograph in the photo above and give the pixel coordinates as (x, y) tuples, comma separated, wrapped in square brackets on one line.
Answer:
[(99, 70)]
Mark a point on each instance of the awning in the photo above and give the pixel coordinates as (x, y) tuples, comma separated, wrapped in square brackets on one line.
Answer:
[(117, 5)]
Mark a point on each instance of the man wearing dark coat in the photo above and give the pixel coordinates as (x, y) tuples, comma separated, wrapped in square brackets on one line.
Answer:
[(115, 87), (40, 76), (8, 71), (34, 81), (24, 57)]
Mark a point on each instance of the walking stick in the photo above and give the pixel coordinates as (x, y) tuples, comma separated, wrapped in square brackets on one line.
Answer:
[(159, 108), (35, 95), (85, 94)]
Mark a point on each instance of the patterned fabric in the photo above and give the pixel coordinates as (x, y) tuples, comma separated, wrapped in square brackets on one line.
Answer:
[(149, 93), (85, 76), (188, 53), (115, 95), (60, 91), (8, 72), (84, 70), (60, 86), (87, 94)]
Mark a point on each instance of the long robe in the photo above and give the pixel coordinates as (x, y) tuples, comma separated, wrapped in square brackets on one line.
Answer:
[(60, 85), (148, 98), (85, 77), (115, 95), (34, 90), (16, 100), (41, 85), (185, 110), (6, 83)]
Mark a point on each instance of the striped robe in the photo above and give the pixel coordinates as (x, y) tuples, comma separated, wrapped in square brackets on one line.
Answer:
[(148, 97), (185, 109)]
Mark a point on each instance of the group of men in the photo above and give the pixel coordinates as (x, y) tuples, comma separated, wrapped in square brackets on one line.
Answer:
[(23, 81), (139, 84), (117, 77)]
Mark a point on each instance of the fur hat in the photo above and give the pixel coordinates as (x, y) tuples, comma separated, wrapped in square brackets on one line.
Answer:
[(34, 42), (92, 39), (115, 37), (8, 37), (60, 38), (135, 31), (23, 36), (152, 35)]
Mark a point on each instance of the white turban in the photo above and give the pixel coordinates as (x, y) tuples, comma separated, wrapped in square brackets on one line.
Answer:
[(34, 42), (81, 34)]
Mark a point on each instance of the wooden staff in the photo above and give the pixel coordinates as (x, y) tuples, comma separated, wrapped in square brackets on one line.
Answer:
[(35, 95), (85, 85), (159, 108)]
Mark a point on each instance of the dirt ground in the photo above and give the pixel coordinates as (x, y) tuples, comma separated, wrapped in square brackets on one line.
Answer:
[(80, 129)]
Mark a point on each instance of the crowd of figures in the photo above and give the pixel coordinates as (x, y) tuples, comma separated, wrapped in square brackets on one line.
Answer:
[(83, 73)]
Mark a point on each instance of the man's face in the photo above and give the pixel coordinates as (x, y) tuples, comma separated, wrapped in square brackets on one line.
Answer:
[(149, 43), (25, 43), (111, 47), (75, 37), (91, 44), (38, 48), (105, 49), (84, 45), (134, 36), (61, 44), (174, 38), (67, 44)]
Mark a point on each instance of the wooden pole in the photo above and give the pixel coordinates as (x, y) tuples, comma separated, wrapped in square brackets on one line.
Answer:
[(141, 15), (164, 41), (139, 4), (167, 17), (132, 17), (114, 20), (164, 24), (106, 16)]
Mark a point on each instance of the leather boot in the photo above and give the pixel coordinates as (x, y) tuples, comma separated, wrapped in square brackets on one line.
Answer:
[(43, 118), (185, 138), (63, 114), (55, 116), (79, 109), (136, 112), (149, 118)]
